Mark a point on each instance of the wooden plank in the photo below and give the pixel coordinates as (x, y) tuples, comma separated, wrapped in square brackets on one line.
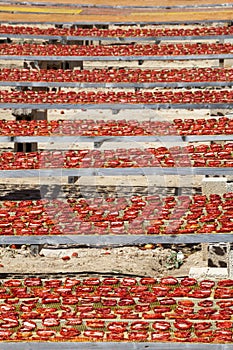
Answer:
[(132, 3), (120, 16), (116, 240)]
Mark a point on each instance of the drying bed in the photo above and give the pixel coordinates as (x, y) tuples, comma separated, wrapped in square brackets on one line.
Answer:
[(116, 309), (118, 33), (88, 128), (136, 215), (194, 156), (121, 77), (115, 52)]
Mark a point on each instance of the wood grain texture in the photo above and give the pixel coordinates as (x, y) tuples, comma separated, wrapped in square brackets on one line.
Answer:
[(117, 16), (112, 11), (133, 3)]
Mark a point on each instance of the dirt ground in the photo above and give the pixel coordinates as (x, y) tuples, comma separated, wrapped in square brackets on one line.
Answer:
[(131, 260)]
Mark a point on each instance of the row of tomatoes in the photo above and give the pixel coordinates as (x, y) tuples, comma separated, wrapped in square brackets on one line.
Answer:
[(116, 50), (153, 31), (135, 215), (118, 75), (74, 334), (189, 156), (95, 288), (92, 127), (110, 96), (167, 283)]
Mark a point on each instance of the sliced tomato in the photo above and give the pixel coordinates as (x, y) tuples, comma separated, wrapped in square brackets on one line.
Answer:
[(73, 321), (163, 336), (220, 317), (225, 283), (223, 334), (148, 280), (10, 322), (161, 291), (115, 336), (28, 325), (207, 311), (7, 308), (188, 281), (26, 308), (186, 303), (224, 324), (223, 293), (139, 325), (207, 284), (117, 326), (154, 316), (110, 281), (29, 315), (64, 291), (226, 312), (137, 336), (138, 290), (69, 332), (205, 303), (51, 299), (129, 282), (162, 309), (126, 301), (225, 303), (208, 333), (94, 334), (180, 292), (169, 281), (167, 301), (91, 299), (183, 324), (185, 311), (201, 326), (71, 282), (95, 324), (32, 282), (161, 325), (5, 334), (51, 322), (147, 297), (46, 310), (142, 308), (121, 292), (91, 281), (70, 300), (84, 308), (201, 293), (109, 302), (182, 334), (45, 333), (12, 283), (53, 283)]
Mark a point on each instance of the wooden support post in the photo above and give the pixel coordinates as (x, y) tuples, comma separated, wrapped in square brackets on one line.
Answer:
[(34, 249), (230, 261), (115, 111), (73, 179), (221, 62), (204, 249)]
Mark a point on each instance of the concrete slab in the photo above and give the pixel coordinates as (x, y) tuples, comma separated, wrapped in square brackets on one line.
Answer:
[(212, 185)]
